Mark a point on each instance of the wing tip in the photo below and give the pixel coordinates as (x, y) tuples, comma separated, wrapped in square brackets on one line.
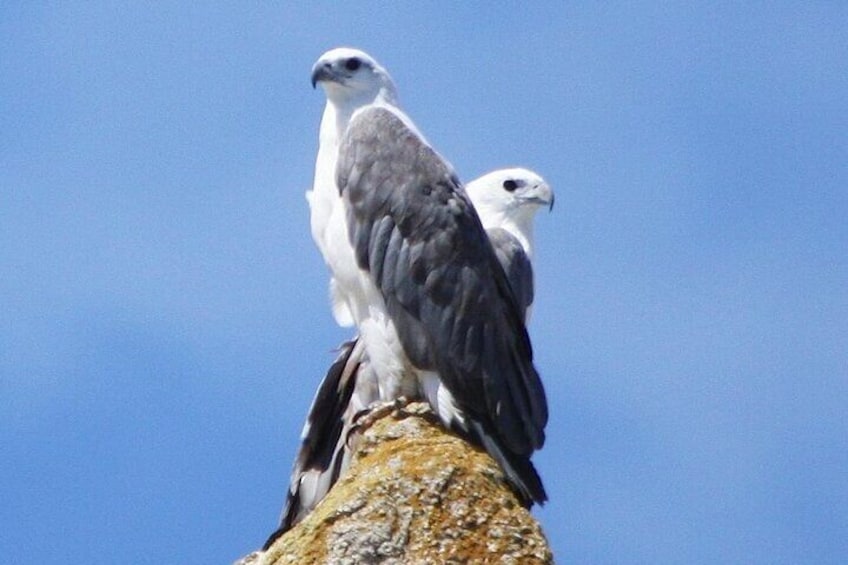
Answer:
[(520, 473), (321, 444)]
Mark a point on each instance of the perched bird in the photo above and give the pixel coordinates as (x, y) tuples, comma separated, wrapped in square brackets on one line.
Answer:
[(413, 268), (429, 297), (506, 201), (351, 79)]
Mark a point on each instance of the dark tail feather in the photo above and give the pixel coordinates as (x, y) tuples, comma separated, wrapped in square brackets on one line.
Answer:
[(519, 470), (323, 453)]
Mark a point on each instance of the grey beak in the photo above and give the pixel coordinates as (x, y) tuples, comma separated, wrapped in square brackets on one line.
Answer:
[(322, 71), (542, 195)]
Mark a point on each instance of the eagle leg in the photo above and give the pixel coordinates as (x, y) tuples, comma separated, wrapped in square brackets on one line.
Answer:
[(366, 418)]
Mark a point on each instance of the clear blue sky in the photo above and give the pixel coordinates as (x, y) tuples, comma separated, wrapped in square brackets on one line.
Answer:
[(163, 311)]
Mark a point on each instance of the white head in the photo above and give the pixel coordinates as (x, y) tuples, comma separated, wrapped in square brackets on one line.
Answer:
[(352, 77), (509, 199)]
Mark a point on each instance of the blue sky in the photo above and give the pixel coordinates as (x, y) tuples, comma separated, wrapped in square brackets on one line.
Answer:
[(164, 312)]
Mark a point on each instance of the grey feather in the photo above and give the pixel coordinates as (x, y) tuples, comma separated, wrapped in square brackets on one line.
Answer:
[(515, 264), (415, 231), (326, 448)]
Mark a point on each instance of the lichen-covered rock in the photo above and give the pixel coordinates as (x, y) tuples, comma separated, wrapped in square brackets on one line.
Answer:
[(414, 494)]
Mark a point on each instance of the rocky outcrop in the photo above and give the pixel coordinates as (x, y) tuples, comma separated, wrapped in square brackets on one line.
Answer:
[(414, 494)]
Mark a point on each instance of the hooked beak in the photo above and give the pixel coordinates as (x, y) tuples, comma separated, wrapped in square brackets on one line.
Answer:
[(322, 71), (542, 195)]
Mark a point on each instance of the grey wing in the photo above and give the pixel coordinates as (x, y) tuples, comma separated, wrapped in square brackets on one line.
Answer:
[(516, 265), (325, 449), (415, 231)]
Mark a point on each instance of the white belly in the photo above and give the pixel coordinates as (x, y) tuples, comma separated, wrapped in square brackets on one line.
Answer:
[(345, 293), (395, 376), (357, 298)]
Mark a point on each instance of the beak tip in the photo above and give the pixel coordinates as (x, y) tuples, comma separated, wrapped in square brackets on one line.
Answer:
[(322, 72), (316, 75)]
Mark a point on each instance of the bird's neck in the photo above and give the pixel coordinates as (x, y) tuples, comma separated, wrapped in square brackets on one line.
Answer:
[(337, 113), (522, 229), (519, 226), (333, 123)]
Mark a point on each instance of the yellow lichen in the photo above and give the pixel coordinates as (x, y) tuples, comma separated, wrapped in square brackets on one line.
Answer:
[(415, 493)]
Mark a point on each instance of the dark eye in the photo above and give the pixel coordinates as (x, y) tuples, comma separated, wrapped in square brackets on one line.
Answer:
[(352, 64), (510, 185)]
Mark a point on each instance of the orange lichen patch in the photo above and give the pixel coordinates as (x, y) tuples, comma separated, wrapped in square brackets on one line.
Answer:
[(415, 493)]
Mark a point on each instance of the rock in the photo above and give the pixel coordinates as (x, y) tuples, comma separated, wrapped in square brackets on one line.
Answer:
[(414, 493)]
